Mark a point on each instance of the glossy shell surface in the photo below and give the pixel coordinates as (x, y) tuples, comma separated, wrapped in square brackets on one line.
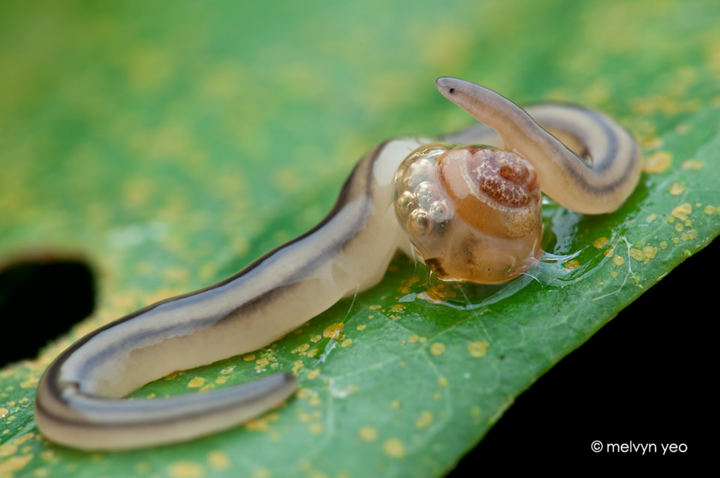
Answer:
[(473, 213)]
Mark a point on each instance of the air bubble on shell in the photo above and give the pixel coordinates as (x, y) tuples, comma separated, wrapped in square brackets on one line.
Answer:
[(420, 223), (406, 204), (439, 211), (418, 172), (426, 193)]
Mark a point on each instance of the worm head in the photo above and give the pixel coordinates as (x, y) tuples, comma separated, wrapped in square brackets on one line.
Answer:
[(473, 213)]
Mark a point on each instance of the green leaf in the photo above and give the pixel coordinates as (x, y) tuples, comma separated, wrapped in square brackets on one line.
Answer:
[(173, 143)]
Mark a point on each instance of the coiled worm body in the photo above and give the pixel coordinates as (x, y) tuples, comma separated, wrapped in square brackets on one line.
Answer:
[(407, 193)]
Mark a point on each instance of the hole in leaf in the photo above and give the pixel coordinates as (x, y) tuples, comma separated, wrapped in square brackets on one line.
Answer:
[(41, 297)]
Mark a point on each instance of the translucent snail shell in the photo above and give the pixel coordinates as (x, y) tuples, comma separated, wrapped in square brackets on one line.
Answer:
[(473, 213)]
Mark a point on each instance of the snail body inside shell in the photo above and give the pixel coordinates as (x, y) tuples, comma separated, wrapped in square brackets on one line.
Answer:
[(473, 213)]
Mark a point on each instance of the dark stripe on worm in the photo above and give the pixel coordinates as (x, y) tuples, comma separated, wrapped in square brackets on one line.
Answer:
[(232, 392), (255, 303)]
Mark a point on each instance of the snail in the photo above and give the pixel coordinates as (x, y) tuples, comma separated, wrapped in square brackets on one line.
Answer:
[(471, 213)]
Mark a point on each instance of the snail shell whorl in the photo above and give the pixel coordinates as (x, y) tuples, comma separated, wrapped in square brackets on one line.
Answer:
[(472, 212)]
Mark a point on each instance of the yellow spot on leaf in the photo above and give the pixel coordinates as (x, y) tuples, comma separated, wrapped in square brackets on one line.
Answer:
[(220, 380), (375, 307), (197, 382), (333, 331), (475, 412), (676, 188), (613, 274), (186, 469), (313, 374), (692, 234), (658, 162), (438, 348), (257, 425), (227, 370), (303, 393), (618, 260), (14, 464), (413, 338), (262, 362), (649, 252), (368, 434), (261, 473), (3, 412), (679, 227), (442, 381), (314, 401), (651, 218), (346, 342), (440, 292), (683, 211), (609, 252), (683, 128), (663, 245), (315, 338), (692, 164), (600, 242), (30, 382), (8, 449), (398, 308), (218, 460), (249, 358), (394, 448), (316, 428), (361, 327), (425, 419), (395, 404), (437, 396), (636, 254), (710, 210), (571, 265), (479, 348), (312, 353), (41, 473), (297, 366), (303, 347)]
